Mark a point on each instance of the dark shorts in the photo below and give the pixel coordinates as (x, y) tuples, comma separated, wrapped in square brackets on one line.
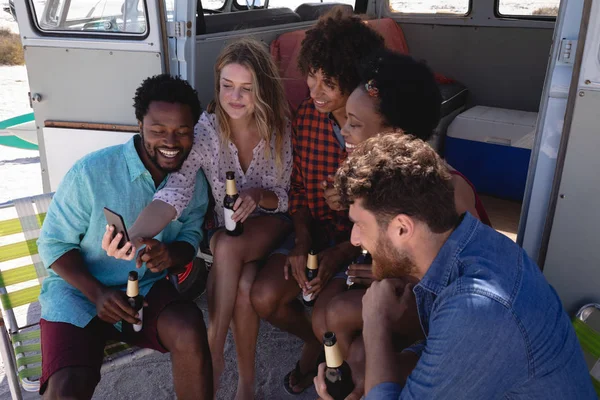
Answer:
[(66, 345)]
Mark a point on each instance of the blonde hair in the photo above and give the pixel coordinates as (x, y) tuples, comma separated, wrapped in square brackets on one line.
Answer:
[(271, 106)]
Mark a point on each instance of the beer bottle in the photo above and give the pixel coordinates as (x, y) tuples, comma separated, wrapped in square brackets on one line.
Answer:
[(338, 376), (312, 269), (231, 227), (135, 299), (363, 258)]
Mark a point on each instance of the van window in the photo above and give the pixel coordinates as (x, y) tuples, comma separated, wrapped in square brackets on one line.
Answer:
[(293, 4), (535, 8), (214, 4), (453, 7), (111, 16)]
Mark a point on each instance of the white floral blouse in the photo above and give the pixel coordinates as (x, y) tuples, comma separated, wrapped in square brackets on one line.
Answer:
[(208, 153)]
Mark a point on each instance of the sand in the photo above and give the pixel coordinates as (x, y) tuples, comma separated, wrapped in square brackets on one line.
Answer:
[(150, 377)]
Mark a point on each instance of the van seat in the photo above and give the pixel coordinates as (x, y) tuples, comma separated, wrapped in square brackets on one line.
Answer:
[(312, 11), (286, 48), (226, 22)]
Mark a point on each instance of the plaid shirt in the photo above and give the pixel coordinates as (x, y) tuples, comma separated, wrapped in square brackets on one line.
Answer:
[(317, 154)]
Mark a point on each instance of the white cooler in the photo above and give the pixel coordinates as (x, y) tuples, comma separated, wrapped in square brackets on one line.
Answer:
[(492, 147)]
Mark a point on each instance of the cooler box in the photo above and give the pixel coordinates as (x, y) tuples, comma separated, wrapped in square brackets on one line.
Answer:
[(492, 147)]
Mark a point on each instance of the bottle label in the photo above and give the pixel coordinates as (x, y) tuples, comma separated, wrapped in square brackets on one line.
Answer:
[(229, 222), (138, 327)]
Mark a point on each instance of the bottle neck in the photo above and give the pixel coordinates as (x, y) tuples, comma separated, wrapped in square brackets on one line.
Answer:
[(312, 262), (230, 187), (333, 356), (132, 288)]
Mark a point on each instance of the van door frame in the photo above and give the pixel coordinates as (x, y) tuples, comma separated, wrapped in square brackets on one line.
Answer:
[(32, 37)]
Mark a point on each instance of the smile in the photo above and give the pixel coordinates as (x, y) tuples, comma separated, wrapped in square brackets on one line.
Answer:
[(320, 103), (350, 146), (168, 153)]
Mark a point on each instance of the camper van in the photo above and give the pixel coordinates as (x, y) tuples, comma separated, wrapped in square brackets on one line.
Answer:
[(520, 81)]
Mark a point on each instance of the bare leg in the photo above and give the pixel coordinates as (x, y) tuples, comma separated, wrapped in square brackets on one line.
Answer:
[(72, 383), (230, 254), (344, 317), (334, 288), (245, 333), (181, 330), (275, 299), (357, 362)]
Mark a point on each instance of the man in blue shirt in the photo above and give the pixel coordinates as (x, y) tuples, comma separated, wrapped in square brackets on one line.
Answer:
[(83, 299), (492, 327)]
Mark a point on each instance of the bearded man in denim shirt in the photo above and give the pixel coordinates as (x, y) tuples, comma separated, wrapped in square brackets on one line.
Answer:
[(492, 327)]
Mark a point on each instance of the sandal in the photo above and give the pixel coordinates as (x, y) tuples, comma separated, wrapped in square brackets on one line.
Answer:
[(300, 377)]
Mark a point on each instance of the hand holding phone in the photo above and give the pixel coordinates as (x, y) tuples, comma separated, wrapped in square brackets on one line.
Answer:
[(116, 220), (122, 248)]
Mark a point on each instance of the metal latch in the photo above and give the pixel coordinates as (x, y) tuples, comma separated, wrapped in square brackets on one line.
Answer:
[(34, 98), (179, 29), (566, 53)]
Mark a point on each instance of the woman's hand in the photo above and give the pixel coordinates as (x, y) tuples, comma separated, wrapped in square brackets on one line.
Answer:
[(331, 195), (361, 274), (246, 204)]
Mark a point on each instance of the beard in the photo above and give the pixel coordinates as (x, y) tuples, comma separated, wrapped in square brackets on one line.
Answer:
[(389, 262), (152, 153)]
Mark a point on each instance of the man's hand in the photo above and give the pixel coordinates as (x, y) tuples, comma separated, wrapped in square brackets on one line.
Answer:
[(331, 195), (321, 386), (330, 260), (296, 262), (246, 204), (390, 305), (156, 255), (360, 274), (112, 307), (110, 244)]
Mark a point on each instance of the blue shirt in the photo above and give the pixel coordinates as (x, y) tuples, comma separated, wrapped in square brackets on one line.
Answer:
[(114, 177), (495, 328)]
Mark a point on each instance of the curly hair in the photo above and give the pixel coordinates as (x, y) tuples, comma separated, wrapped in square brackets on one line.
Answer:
[(395, 173), (335, 44), (170, 89), (407, 93)]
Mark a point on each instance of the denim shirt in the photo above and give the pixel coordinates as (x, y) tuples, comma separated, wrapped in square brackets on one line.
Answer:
[(495, 328), (114, 177)]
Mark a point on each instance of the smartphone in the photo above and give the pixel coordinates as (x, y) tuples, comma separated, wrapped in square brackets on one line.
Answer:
[(116, 220)]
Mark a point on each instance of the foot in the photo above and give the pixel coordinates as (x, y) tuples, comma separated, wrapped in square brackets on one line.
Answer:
[(302, 376)]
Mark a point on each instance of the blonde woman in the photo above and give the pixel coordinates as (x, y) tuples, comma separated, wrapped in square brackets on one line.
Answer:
[(245, 130)]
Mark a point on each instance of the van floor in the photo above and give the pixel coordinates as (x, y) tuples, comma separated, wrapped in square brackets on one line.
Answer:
[(504, 214)]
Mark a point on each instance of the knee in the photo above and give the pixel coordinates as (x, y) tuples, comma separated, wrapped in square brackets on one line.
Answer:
[(334, 315), (185, 331), (226, 247), (244, 289), (72, 383), (319, 320), (264, 300)]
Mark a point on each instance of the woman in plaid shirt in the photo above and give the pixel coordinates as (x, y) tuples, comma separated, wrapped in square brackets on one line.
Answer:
[(328, 58), (396, 94)]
